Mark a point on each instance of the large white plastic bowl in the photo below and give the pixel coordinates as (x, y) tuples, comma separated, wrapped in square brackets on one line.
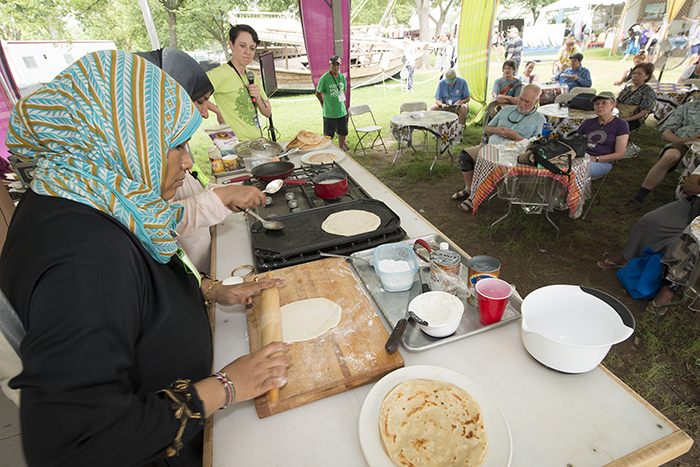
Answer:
[(571, 328)]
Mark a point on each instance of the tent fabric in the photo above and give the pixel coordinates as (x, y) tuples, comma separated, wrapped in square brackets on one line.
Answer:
[(317, 24), (474, 45), (9, 95), (672, 9)]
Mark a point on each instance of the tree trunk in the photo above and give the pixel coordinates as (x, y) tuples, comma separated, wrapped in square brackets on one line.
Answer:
[(423, 10), (172, 29)]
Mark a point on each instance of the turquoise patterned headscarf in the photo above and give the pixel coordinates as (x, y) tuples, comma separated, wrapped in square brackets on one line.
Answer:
[(99, 134)]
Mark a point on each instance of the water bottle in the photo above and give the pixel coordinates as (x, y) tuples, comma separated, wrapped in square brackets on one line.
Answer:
[(546, 129)]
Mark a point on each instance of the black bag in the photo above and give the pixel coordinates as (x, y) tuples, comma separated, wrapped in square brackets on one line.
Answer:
[(582, 101), (554, 154)]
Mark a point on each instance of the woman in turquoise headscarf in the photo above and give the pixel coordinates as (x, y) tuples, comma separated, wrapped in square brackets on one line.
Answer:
[(118, 349)]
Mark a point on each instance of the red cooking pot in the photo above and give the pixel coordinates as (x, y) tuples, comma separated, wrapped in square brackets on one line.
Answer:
[(327, 185)]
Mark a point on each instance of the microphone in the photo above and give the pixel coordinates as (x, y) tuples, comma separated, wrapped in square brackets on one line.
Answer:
[(251, 77)]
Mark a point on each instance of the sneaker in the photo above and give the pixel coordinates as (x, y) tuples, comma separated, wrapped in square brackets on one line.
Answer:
[(630, 206)]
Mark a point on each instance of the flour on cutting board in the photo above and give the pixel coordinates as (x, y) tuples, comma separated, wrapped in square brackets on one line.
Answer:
[(307, 319)]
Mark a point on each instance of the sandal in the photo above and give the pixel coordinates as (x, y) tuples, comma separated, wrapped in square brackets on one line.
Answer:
[(466, 205), (652, 306), (461, 194), (607, 264)]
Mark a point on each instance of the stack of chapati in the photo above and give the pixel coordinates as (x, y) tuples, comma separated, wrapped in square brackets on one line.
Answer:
[(432, 423), (306, 140)]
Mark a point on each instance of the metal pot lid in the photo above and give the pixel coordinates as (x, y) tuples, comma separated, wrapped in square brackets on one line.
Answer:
[(260, 147)]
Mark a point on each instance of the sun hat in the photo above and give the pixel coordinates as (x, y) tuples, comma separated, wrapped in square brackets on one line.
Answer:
[(451, 75), (605, 95)]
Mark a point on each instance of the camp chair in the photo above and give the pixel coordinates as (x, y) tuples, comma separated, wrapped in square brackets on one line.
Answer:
[(416, 106), (579, 90), (357, 111)]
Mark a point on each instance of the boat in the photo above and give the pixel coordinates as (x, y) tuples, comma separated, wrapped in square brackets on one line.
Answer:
[(372, 59)]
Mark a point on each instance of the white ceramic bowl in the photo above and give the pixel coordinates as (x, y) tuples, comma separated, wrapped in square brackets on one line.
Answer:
[(442, 311)]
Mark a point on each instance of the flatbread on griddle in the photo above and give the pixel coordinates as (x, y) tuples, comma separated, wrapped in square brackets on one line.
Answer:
[(351, 222), (432, 423)]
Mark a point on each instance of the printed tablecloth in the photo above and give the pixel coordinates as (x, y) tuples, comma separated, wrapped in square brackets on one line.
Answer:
[(669, 96), (682, 257), (442, 124), (494, 165)]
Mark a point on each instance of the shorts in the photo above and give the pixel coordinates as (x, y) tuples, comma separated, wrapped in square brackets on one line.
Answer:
[(682, 148), (333, 125), (695, 49)]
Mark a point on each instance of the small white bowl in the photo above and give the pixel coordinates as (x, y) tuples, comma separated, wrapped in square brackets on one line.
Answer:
[(442, 311)]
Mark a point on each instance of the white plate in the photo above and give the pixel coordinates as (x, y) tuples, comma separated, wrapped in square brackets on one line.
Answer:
[(500, 441), (306, 158)]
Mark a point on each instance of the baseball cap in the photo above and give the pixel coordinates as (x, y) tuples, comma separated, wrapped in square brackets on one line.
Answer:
[(605, 95), (577, 56), (513, 29), (335, 59), (451, 75)]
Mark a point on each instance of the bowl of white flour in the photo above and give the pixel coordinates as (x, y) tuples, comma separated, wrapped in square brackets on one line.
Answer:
[(442, 311)]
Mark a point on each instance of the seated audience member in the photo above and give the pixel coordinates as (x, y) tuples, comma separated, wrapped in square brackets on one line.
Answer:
[(657, 229), (638, 93), (641, 57), (574, 76), (563, 60), (507, 88), (680, 130), (692, 72), (528, 76), (514, 123), (453, 94), (607, 135)]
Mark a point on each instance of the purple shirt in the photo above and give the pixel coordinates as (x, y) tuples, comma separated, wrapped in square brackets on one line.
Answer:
[(601, 141)]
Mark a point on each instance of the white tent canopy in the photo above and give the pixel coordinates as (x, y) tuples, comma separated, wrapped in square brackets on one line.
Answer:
[(571, 4)]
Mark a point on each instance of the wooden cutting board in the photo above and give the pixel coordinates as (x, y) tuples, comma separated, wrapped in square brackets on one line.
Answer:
[(347, 356)]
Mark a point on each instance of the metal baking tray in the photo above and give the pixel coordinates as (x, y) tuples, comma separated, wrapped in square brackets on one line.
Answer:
[(393, 304)]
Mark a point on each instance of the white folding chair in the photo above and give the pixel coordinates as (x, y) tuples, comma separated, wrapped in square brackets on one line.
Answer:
[(416, 106), (694, 81), (357, 111), (579, 90), (566, 97)]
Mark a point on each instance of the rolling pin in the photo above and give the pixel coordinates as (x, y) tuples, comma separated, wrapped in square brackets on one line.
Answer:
[(271, 326)]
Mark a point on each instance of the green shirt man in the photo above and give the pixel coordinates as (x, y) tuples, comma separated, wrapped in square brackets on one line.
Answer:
[(331, 94)]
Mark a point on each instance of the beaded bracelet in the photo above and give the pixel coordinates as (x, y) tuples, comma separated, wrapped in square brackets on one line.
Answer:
[(207, 301), (228, 385)]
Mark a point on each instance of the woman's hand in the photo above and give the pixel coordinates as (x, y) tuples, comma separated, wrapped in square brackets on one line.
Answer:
[(257, 373), (235, 196), (240, 293)]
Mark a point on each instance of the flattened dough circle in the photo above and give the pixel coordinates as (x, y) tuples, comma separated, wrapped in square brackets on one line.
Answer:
[(308, 319), (351, 222)]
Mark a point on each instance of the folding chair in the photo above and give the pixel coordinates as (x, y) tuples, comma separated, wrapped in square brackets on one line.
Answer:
[(694, 81), (356, 111), (416, 106), (597, 191), (579, 90)]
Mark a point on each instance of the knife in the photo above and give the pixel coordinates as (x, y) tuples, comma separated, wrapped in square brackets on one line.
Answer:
[(392, 344)]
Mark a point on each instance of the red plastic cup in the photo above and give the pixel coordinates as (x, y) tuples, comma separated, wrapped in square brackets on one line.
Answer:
[(493, 295)]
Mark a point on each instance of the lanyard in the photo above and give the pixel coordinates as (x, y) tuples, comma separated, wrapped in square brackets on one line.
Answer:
[(244, 85)]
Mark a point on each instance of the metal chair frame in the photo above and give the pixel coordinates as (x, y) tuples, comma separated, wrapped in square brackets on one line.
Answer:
[(356, 111)]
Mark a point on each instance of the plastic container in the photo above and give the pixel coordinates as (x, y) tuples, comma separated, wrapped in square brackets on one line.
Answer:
[(396, 265), (441, 310)]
